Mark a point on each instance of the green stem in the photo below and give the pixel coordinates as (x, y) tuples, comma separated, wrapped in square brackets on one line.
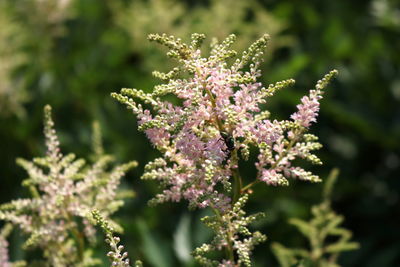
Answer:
[(237, 180), (80, 242), (34, 191), (212, 99), (228, 238), (78, 237), (250, 185), (237, 187)]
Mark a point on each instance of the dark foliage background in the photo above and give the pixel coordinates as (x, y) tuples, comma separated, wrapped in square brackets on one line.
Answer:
[(72, 57)]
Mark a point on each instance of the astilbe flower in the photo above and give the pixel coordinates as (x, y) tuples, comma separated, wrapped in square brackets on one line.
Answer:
[(218, 120), (64, 192)]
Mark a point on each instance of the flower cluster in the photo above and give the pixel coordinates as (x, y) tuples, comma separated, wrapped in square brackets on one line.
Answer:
[(220, 116), (64, 192), (213, 122)]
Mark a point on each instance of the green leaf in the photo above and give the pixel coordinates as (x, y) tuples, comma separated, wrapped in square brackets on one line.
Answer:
[(157, 253), (304, 227), (182, 240), (284, 255), (339, 247)]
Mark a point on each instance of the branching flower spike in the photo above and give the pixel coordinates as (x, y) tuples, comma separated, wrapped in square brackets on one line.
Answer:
[(218, 121)]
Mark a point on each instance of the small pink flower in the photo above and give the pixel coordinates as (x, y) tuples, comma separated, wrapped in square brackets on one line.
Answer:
[(271, 177), (308, 109), (190, 145)]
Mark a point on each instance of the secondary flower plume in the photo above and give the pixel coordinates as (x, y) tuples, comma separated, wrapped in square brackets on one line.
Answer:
[(57, 218)]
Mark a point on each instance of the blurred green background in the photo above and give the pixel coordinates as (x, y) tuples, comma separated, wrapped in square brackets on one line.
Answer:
[(72, 54)]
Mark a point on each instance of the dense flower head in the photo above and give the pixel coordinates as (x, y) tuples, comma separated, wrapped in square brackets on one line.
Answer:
[(64, 192), (214, 122), (218, 119)]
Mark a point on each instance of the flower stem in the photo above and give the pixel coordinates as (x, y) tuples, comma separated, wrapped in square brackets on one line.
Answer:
[(78, 237), (243, 190), (228, 238), (237, 179), (80, 243), (219, 124), (34, 192)]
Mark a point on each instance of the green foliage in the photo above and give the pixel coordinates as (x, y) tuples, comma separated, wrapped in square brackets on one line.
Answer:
[(217, 18), (182, 239), (12, 92), (325, 224)]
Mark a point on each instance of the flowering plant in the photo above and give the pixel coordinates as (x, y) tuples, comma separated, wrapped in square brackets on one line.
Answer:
[(64, 192), (217, 122)]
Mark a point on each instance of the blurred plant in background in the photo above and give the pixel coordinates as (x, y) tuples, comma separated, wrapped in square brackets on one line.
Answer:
[(27, 35), (325, 224), (12, 92), (244, 18), (57, 217), (386, 13)]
